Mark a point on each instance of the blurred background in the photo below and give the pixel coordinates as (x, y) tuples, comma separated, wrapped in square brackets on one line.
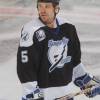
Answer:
[(84, 14)]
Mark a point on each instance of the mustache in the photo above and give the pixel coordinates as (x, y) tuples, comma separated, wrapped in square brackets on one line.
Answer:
[(43, 14)]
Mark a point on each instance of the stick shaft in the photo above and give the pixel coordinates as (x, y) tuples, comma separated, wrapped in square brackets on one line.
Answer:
[(69, 96)]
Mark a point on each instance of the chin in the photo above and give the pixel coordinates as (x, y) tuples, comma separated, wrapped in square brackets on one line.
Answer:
[(44, 20)]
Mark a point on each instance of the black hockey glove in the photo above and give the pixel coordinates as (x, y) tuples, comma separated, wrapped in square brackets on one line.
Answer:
[(85, 82)]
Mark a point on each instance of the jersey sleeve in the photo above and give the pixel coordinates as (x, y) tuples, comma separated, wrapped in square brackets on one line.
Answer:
[(76, 59), (27, 57), (79, 69)]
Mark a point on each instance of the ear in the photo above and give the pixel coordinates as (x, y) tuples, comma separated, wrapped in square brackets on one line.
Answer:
[(57, 8)]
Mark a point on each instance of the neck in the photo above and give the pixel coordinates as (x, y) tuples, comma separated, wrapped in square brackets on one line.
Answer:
[(53, 24)]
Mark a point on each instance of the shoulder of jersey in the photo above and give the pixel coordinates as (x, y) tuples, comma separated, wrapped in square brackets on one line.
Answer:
[(65, 22), (27, 32)]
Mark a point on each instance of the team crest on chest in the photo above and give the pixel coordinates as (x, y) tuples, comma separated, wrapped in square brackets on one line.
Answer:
[(57, 53)]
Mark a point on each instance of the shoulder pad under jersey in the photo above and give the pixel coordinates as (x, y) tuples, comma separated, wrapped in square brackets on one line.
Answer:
[(27, 32)]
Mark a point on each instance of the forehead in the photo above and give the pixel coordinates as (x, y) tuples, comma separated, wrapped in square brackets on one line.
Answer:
[(44, 3)]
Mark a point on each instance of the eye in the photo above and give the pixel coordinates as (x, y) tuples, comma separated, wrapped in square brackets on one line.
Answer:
[(48, 6), (39, 6)]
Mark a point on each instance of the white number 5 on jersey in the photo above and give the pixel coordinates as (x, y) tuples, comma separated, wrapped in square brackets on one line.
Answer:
[(24, 56)]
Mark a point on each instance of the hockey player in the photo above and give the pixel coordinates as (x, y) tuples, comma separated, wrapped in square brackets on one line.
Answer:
[(49, 57)]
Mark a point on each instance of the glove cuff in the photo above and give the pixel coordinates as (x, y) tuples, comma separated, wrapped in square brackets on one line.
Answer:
[(82, 81)]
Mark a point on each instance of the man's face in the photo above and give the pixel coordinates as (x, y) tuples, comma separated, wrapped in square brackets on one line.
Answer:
[(46, 12)]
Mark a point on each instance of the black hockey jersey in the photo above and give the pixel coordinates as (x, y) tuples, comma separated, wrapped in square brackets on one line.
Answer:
[(48, 55)]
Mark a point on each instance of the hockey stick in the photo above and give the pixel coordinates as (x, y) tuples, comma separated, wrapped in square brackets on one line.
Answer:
[(88, 89), (72, 95), (56, 63), (94, 78)]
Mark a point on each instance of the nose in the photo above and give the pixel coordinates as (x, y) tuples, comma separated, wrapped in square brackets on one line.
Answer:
[(42, 10)]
